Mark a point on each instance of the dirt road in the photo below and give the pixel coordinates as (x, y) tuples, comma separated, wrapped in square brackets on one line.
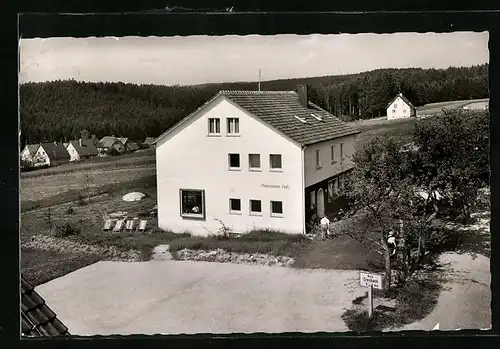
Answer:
[(174, 297), (465, 302)]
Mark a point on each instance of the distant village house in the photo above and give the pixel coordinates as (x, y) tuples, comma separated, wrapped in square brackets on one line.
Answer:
[(400, 108), (51, 154), (81, 149), (110, 145), (29, 151)]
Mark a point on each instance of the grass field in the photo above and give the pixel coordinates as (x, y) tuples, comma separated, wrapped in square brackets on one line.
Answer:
[(436, 108), (142, 158)]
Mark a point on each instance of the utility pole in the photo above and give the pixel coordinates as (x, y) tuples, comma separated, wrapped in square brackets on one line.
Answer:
[(259, 78)]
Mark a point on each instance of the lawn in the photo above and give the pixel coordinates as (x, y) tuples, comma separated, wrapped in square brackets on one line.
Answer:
[(50, 188), (402, 129), (141, 158), (436, 108)]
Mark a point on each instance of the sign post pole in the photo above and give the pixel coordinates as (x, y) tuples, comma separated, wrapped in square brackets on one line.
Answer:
[(370, 280), (370, 302)]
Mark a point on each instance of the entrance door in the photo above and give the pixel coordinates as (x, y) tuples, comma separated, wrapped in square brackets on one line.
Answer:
[(320, 199)]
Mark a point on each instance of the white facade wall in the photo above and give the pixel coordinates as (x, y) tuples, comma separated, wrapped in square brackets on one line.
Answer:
[(328, 168), (191, 159), (41, 158), (73, 154), (25, 154), (399, 110)]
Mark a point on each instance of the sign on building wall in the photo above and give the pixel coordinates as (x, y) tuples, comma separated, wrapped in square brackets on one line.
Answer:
[(275, 186)]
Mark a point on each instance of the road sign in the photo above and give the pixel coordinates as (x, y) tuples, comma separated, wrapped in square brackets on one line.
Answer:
[(370, 280)]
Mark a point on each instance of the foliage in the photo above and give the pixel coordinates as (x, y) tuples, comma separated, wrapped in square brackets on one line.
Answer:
[(65, 230), (59, 110), (406, 191), (414, 301)]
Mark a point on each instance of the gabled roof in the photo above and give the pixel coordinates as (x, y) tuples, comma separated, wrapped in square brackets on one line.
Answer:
[(283, 111), (37, 319), (107, 142), (86, 149), (32, 148), (123, 140), (149, 140), (55, 151), (400, 95)]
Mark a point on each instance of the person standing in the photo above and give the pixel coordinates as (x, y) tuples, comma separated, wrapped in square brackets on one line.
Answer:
[(325, 227)]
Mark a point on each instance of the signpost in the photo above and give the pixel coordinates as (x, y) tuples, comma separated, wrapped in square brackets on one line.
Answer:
[(370, 280)]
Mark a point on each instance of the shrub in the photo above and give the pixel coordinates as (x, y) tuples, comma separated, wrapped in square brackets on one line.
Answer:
[(65, 230), (81, 201), (70, 210)]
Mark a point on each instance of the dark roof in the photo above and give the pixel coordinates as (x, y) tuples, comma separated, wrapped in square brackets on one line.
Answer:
[(107, 142), (281, 110), (149, 140), (406, 100), (55, 151), (132, 146), (86, 149), (37, 319)]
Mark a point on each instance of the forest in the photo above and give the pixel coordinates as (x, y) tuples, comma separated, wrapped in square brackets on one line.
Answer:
[(59, 110)]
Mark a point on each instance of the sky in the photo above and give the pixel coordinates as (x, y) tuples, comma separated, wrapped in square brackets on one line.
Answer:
[(192, 60)]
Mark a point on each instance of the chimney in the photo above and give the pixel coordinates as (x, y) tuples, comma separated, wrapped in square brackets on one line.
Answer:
[(80, 141), (303, 96)]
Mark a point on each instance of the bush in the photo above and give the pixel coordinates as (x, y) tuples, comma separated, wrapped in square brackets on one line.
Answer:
[(66, 230), (70, 210), (81, 201), (272, 235)]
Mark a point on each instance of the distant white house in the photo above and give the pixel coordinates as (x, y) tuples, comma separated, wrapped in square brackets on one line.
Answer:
[(29, 151), (400, 108), (252, 159), (81, 149), (51, 154)]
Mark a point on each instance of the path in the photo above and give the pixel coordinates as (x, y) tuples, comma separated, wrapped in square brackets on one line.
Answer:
[(465, 301)]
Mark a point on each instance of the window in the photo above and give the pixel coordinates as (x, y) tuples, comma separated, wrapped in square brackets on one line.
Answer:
[(275, 162), (233, 125), (341, 184), (395, 105), (318, 159), (394, 111), (332, 152), (276, 208), (312, 198), (255, 207), (254, 161), (213, 126), (404, 111), (235, 205), (192, 203), (330, 191), (342, 150), (234, 161)]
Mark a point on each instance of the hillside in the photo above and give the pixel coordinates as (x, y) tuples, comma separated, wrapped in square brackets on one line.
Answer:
[(58, 110)]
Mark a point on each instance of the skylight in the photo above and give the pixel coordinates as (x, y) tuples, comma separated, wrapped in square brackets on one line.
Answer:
[(304, 121), (319, 118)]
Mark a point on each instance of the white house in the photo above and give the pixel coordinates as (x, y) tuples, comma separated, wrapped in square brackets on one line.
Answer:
[(29, 151), (51, 154), (251, 159), (81, 149), (400, 108)]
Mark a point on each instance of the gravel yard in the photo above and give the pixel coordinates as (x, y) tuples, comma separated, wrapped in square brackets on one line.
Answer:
[(175, 297)]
